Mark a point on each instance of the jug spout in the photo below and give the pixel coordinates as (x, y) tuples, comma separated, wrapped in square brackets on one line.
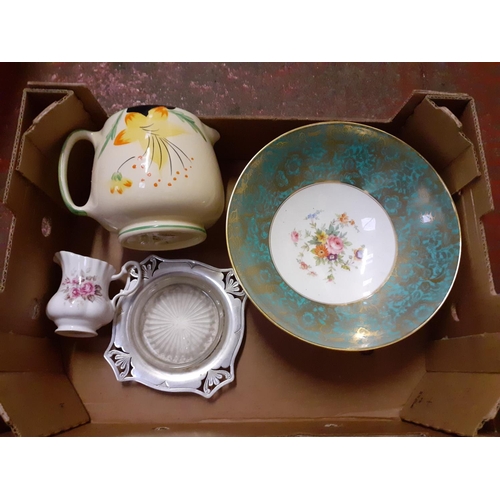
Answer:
[(212, 134)]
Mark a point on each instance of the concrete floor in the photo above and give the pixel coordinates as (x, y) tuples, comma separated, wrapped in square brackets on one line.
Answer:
[(350, 91)]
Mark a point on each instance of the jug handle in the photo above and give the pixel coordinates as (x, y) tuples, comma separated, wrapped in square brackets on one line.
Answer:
[(123, 272), (71, 140)]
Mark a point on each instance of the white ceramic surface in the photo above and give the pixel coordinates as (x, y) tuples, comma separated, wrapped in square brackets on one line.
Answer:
[(333, 243), (155, 178)]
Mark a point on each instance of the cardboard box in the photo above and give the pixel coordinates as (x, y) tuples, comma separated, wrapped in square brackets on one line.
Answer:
[(444, 379)]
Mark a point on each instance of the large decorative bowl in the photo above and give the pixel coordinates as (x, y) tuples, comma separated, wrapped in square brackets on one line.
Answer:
[(343, 236)]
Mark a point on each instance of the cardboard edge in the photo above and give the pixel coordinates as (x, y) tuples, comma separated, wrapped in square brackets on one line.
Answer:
[(482, 157), (5, 417), (468, 354), (323, 427), (416, 97), (15, 148), (419, 131), (45, 392), (82, 92), (486, 253), (455, 433), (416, 94), (8, 248), (24, 138), (440, 401)]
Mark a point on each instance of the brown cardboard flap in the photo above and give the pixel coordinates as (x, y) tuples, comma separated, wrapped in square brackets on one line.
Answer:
[(83, 93), (481, 187), (32, 105), (472, 354), (7, 225), (283, 386), (40, 404), (455, 102), (19, 353), (298, 427), (461, 171), (458, 403), (30, 276), (473, 306), (42, 142), (436, 134)]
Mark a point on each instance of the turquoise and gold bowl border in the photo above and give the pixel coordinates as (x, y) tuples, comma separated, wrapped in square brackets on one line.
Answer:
[(401, 180)]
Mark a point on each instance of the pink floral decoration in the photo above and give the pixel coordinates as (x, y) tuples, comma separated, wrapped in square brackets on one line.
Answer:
[(80, 288), (334, 245), (87, 288)]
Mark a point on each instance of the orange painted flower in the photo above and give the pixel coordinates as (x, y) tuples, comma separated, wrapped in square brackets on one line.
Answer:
[(152, 132), (321, 251), (343, 219), (119, 183)]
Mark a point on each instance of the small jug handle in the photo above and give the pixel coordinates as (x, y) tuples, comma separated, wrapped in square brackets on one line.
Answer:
[(123, 272), (71, 140)]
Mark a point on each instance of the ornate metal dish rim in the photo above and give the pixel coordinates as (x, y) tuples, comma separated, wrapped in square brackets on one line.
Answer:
[(218, 369)]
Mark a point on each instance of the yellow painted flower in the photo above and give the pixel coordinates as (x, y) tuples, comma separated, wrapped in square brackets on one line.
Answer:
[(322, 236), (152, 132), (119, 183)]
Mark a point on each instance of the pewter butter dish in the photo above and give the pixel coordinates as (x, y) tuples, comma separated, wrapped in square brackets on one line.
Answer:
[(181, 331)]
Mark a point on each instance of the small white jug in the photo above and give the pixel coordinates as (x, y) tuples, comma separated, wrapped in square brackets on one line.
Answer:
[(82, 304)]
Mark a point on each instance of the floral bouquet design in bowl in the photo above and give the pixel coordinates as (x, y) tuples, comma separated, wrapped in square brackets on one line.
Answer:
[(332, 243), (329, 245)]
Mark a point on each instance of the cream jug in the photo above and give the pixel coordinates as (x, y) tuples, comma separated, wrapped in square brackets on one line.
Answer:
[(82, 304)]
